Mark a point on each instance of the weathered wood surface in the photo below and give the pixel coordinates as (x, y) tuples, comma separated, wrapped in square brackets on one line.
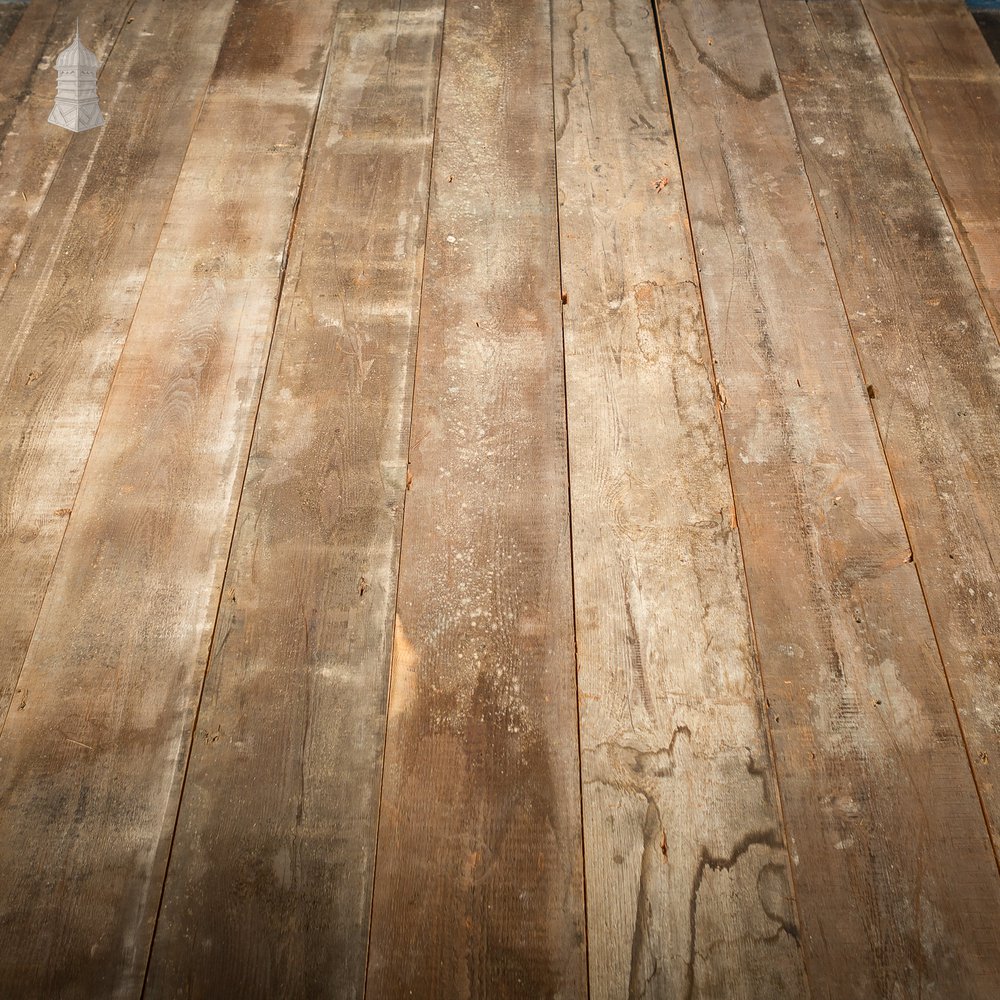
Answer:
[(949, 84), (895, 880), (31, 149), (66, 311), (478, 881), (42, 29), (924, 340), (93, 751), (688, 890), (10, 15), (269, 886)]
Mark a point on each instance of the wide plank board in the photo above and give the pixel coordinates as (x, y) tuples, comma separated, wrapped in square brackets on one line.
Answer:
[(94, 748), (949, 83), (268, 891), (66, 311), (895, 881), (478, 878), (31, 150), (926, 345), (688, 889)]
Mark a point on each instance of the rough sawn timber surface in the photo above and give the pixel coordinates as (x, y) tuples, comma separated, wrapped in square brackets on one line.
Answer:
[(688, 890), (478, 878), (925, 343), (65, 314), (949, 83), (31, 150), (894, 876), (93, 752), (268, 891)]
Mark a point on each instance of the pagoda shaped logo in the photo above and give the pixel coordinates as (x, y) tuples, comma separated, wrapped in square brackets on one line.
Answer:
[(76, 105)]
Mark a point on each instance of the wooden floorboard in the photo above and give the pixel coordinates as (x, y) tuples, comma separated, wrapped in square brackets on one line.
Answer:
[(31, 150), (94, 747), (949, 83), (269, 885), (893, 872), (478, 879), (925, 343), (65, 314), (479, 522), (688, 889)]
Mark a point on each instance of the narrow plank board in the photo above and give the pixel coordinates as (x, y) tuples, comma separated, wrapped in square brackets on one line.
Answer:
[(64, 316), (688, 890), (478, 879), (31, 150), (896, 884), (949, 84), (269, 886), (925, 342), (92, 754)]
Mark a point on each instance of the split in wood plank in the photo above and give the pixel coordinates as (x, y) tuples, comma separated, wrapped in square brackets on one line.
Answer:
[(268, 891), (478, 881), (95, 747), (688, 890), (894, 877)]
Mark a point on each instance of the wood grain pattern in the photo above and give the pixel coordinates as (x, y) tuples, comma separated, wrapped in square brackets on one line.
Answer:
[(269, 885), (65, 314), (949, 83), (688, 890), (93, 751), (894, 875), (478, 881), (924, 340), (31, 150)]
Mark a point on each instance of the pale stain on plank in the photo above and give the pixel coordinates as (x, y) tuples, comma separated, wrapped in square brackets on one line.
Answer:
[(688, 888), (269, 887), (861, 715), (95, 752), (879, 880), (924, 339)]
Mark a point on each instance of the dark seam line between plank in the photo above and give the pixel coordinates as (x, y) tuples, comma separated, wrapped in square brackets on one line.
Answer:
[(764, 714), (62, 155), (569, 498), (236, 516), (55, 562), (939, 187), (402, 520), (892, 478)]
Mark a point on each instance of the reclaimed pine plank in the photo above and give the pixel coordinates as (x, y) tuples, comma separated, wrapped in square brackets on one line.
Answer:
[(688, 889), (94, 749), (949, 83), (268, 891), (65, 314), (31, 150), (925, 343), (478, 879), (896, 884)]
